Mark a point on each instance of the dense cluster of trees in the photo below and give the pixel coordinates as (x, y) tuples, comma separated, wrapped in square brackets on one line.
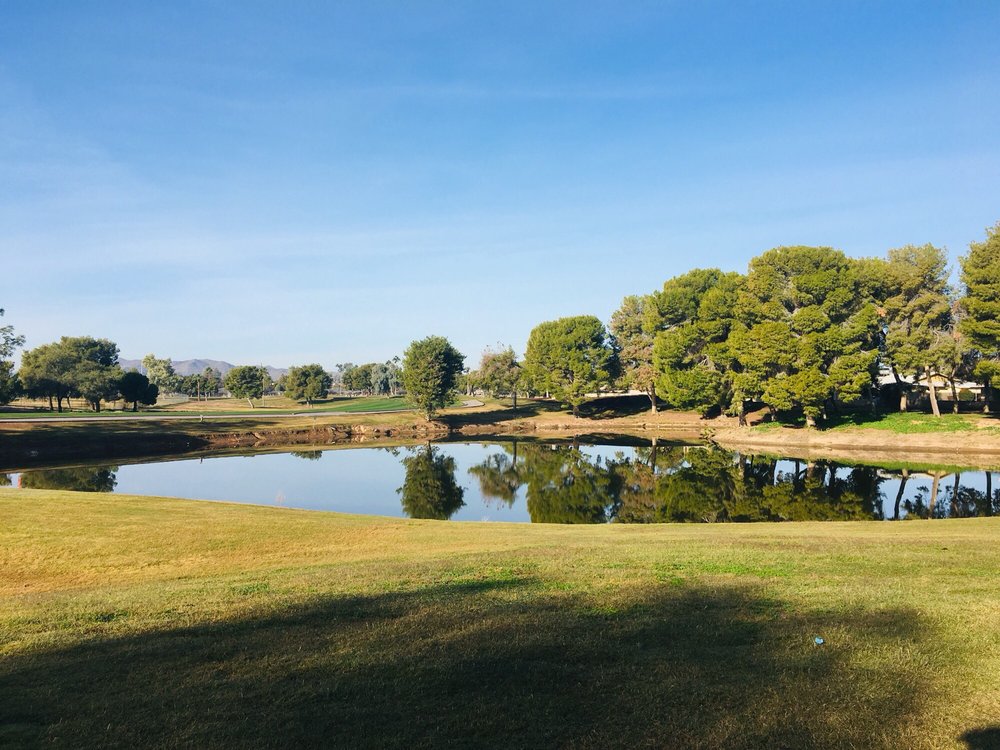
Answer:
[(74, 366), (10, 384), (373, 378), (805, 331)]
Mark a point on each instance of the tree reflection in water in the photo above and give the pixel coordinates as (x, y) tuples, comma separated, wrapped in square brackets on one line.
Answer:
[(705, 484), (79, 479), (429, 489)]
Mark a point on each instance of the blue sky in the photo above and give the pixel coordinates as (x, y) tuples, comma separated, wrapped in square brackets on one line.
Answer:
[(297, 182)]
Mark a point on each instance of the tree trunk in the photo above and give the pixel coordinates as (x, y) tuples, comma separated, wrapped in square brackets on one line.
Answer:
[(51, 405), (135, 406), (902, 391), (810, 421), (954, 494), (954, 396), (250, 401), (514, 399), (988, 392), (934, 493), (899, 493), (652, 400), (743, 413), (576, 410), (932, 391)]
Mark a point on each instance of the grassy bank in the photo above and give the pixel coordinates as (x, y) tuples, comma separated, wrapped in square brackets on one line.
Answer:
[(137, 621)]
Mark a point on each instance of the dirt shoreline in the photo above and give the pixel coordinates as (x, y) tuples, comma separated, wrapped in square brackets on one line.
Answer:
[(26, 446), (868, 445)]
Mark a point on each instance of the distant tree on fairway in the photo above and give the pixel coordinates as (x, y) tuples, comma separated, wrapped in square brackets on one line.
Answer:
[(246, 381), (385, 378), (73, 366), (136, 389), (161, 372), (358, 377), (431, 368), (499, 373), (43, 373), (570, 358), (981, 303), (307, 383)]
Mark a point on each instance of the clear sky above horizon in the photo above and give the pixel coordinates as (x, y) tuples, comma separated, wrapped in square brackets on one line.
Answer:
[(297, 182)]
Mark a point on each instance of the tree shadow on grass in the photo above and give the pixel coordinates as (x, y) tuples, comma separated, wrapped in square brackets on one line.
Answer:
[(495, 664)]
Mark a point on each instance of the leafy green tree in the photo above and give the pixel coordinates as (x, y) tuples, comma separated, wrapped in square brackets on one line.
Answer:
[(136, 389), (634, 340), (819, 335), (692, 359), (981, 303), (246, 381), (307, 383), (73, 366), (202, 385), (918, 315), (161, 372), (431, 368), (10, 385), (430, 489), (95, 373), (570, 358), (499, 373), (359, 377), (43, 373), (385, 380)]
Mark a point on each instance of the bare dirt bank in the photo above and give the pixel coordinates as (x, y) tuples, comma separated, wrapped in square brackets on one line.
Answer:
[(867, 445)]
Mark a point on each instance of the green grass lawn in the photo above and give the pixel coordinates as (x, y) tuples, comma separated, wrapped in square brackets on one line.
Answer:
[(232, 407), (129, 621), (906, 423)]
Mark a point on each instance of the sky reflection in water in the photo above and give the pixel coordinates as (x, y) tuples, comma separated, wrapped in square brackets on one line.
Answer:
[(531, 481)]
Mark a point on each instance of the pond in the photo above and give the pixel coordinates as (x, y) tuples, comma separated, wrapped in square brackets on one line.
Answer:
[(549, 482)]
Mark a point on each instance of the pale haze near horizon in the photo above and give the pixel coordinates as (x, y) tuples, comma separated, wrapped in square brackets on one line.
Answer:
[(287, 185)]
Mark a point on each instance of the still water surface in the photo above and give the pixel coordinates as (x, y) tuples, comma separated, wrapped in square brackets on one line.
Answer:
[(558, 483)]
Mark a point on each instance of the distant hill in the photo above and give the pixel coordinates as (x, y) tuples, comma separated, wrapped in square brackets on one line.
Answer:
[(194, 366)]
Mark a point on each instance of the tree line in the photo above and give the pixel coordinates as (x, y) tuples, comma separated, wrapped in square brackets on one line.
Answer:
[(806, 330)]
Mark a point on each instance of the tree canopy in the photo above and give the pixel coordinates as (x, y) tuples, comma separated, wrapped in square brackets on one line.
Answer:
[(570, 358), (431, 367), (499, 373), (307, 383), (73, 366), (981, 304), (136, 389), (246, 381)]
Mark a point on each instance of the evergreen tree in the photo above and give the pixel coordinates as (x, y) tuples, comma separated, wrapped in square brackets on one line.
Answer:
[(431, 368), (981, 303), (569, 358)]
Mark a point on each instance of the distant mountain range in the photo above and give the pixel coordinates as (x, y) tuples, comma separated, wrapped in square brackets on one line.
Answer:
[(195, 366)]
